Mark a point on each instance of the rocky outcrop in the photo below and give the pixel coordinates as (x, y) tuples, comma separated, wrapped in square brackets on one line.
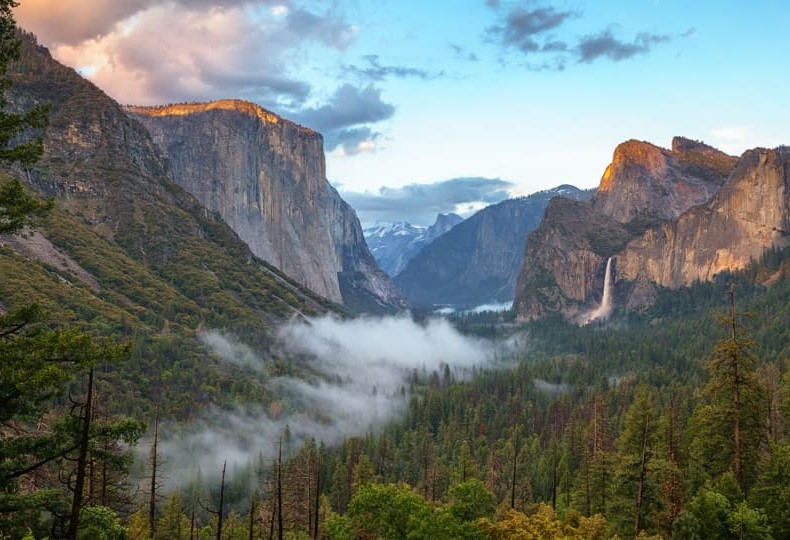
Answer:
[(653, 214), (443, 223), (478, 261), (265, 176), (648, 183), (565, 259), (750, 214)]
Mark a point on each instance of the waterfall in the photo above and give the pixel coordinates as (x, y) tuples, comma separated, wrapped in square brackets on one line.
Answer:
[(605, 309)]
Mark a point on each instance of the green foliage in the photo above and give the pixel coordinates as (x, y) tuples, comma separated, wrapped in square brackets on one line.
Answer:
[(543, 524), (14, 126), (338, 527), (771, 491), (172, 523), (748, 523), (638, 500), (100, 523), (138, 527), (686, 527), (470, 501), (733, 413), (711, 511), (17, 207), (608, 241), (396, 511), (387, 511)]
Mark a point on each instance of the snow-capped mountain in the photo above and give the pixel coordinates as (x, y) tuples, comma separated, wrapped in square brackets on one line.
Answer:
[(393, 245)]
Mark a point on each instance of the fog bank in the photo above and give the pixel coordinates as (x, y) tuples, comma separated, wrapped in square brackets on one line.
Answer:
[(358, 374)]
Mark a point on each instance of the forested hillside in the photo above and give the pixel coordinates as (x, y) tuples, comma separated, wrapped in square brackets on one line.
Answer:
[(126, 252), (595, 431)]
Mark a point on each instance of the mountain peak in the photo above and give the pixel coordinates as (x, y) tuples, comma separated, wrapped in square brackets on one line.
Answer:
[(632, 153), (238, 105), (647, 182)]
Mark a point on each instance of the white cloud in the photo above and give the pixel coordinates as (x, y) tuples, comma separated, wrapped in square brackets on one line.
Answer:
[(279, 10), (732, 133), (151, 52)]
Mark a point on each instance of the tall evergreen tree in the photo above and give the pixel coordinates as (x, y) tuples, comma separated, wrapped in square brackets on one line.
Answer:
[(637, 489), (731, 421)]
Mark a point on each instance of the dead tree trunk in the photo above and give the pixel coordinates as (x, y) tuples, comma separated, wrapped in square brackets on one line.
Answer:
[(82, 461)]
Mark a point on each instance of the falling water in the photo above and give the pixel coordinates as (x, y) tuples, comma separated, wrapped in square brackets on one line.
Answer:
[(605, 309)]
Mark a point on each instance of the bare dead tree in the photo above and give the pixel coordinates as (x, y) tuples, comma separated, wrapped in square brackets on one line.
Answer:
[(317, 492), (153, 459), (82, 461), (219, 512), (280, 490)]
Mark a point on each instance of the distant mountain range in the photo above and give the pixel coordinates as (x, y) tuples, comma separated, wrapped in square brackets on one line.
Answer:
[(393, 245), (477, 261)]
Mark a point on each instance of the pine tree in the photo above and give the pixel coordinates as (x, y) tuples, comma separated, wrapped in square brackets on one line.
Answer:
[(637, 488), (731, 421), (172, 523)]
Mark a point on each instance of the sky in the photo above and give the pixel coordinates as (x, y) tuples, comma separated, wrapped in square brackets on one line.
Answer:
[(449, 105)]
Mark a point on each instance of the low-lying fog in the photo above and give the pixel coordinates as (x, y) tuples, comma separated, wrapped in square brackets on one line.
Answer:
[(360, 380)]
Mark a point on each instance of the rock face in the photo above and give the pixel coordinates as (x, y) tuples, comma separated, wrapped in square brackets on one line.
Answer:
[(565, 258), (265, 176), (133, 246), (747, 216), (394, 244), (653, 216), (648, 183), (477, 261)]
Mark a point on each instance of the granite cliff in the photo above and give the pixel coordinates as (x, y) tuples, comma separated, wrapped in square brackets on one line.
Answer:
[(564, 260), (750, 214), (125, 248), (647, 183), (668, 217), (265, 176)]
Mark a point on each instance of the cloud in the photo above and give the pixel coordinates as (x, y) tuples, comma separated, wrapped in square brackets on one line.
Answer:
[(326, 28), (60, 22), (230, 350), (522, 27), (342, 120), (463, 54), (377, 72), (420, 203), (352, 141), (732, 133), (361, 369), (536, 33), (551, 388), (148, 52), (348, 106), (604, 44)]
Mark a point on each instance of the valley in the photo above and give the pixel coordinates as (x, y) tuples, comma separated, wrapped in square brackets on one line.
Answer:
[(200, 339)]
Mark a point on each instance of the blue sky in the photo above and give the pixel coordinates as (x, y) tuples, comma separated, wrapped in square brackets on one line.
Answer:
[(412, 94)]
